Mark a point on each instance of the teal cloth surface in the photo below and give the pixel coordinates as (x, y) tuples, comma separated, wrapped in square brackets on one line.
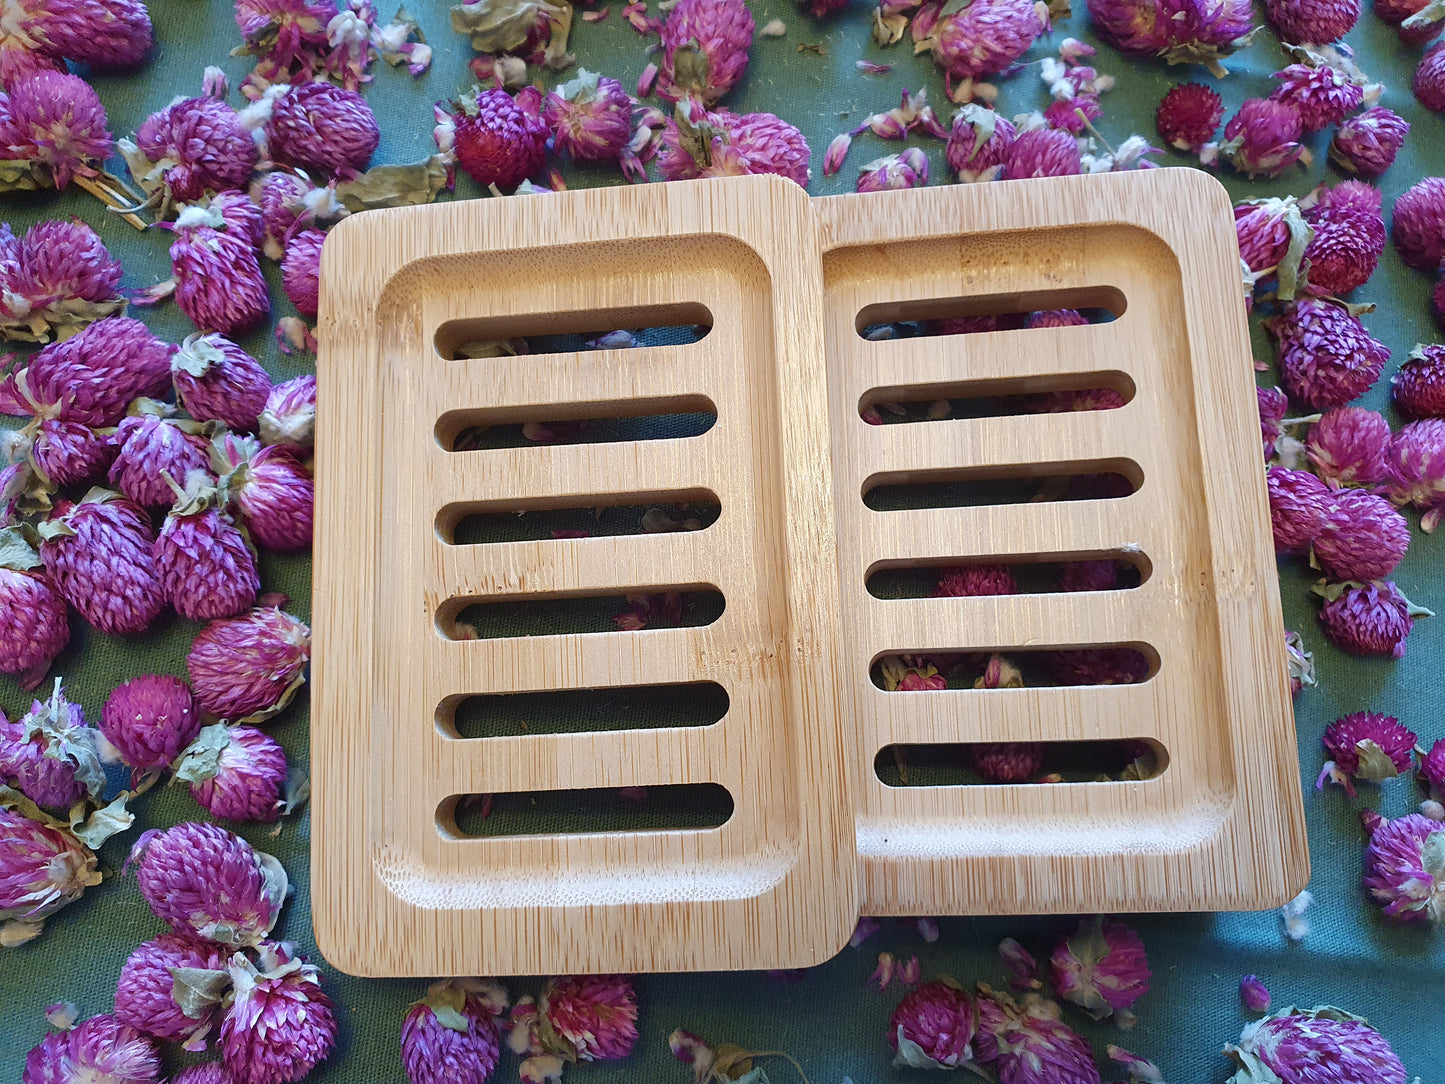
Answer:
[(829, 1018)]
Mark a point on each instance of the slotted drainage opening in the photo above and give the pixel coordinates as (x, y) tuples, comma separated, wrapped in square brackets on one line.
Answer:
[(1034, 574), (1004, 668), (611, 514), (564, 613), (576, 711), (633, 327), (913, 318), (964, 764), (1103, 479), (671, 808), (665, 418), (1106, 390)]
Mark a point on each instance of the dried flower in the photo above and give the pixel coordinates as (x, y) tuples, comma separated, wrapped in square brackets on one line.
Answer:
[(204, 880), (289, 417), (1180, 31), (1316, 22), (983, 37), (933, 1027), (42, 868), (209, 1073), (1101, 967), (98, 552), (1188, 116), (1098, 666), (219, 284), (1368, 142), (1006, 761), (248, 668), (704, 49), (1418, 224), (1418, 386), (65, 453), (496, 140), (1366, 745), (279, 1024), (1326, 356), (590, 116), (1273, 404), (697, 143), (1347, 446), (451, 1035), (1262, 138), (150, 447), (216, 380), (55, 281), (1415, 469), (1429, 81), (1022, 967), (149, 719), (1369, 619), (589, 1017), (906, 170), (33, 615), (171, 988), (288, 203), (301, 271), (206, 566), (1298, 502), (1273, 236), (1029, 1043), (52, 129), (100, 1050), (1061, 318), (1362, 537), (320, 126), (1405, 870), (270, 487), (976, 580), (1042, 152), (1322, 95), (236, 772), (1432, 767), (1349, 236), (191, 148), (1253, 994), (978, 143)]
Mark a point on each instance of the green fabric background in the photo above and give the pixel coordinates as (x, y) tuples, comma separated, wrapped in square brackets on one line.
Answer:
[(829, 1018)]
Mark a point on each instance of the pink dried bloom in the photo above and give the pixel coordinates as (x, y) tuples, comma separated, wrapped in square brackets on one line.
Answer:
[(1272, 236), (1073, 115), (150, 719), (1042, 152), (218, 381), (206, 566), (193, 147), (1369, 619), (1089, 576), (145, 993), (1418, 386), (289, 417), (98, 552), (1362, 537), (1299, 663), (1316, 22), (1298, 502), (65, 453), (1253, 994), (42, 868), (1347, 446), (219, 284), (1022, 967), (1133, 26), (204, 880), (1418, 224), (496, 140), (1188, 116), (99, 1051), (1064, 402), (451, 1036), (1262, 138), (1429, 81), (1029, 1043), (1366, 745), (705, 49), (906, 170), (1415, 469), (1098, 666), (933, 1028), (239, 215), (271, 488), (237, 773), (1405, 873), (1368, 142), (1006, 761), (53, 123), (1322, 95), (1326, 356), (150, 448), (697, 143), (1180, 31), (62, 263), (50, 753), (209, 1073), (1100, 967), (978, 143), (33, 617), (248, 668), (288, 35), (1432, 767), (1057, 318), (320, 126), (593, 1017), (976, 580), (279, 1024), (982, 38), (1349, 238), (301, 271), (1273, 404), (104, 34), (289, 203), (92, 377), (590, 117)]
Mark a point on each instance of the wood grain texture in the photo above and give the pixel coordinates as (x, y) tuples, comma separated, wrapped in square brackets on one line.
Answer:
[(1223, 826), (397, 890)]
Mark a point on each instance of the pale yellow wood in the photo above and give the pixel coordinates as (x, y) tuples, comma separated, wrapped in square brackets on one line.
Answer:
[(396, 893), (1223, 826)]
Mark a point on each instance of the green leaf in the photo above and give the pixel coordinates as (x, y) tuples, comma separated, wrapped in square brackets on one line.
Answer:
[(1375, 764), (16, 551), (503, 26), (395, 185), (107, 821), (1432, 854), (911, 1056), (197, 989), (201, 760), (447, 1001)]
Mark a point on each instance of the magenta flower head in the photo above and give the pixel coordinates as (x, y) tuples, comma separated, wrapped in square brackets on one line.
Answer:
[(1261, 139), (51, 754), (66, 453), (1298, 502), (698, 143), (590, 117), (1369, 619), (1273, 405), (53, 124), (301, 271), (1098, 666), (34, 625), (1042, 152), (289, 416), (451, 1035), (1272, 236), (496, 140), (983, 37), (279, 1024), (1432, 768), (289, 203), (206, 881), (1405, 867), (976, 580), (104, 34), (1253, 994), (1006, 761), (1305, 1046), (1188, 116), (92, 377), (1429, 81), (152, 446), (1089, 576), (193, 148), (906, 170), (592, 1017), (287, 34), (248, 668), (933, 1027), (236, 772), (1418, 224), (42, 868), (98, 552), (1180, 31), (1347, 446), (1368, 142), (1028, 1042), (1133, 26), (270, 488), (63, 264), (150, 719), (101, 1049), (1349, 237), (1322, 95), (1366, 745), (1064, 318), (210, 1073), (320, 126), (1418, 386), (1415, 469), (1316, 22), (1101, 967), (216, 380), (171, 988), (1362, 537), (219, 284), (1326, 356), (704, 49), (206, 565), (978, 143)]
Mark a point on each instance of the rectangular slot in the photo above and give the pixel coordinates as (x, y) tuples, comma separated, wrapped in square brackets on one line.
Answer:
[(1101, 479), (1004, 668), (1036, 574), (971, 764), (577, 711), (673, 808), (1106, 390), (562, 614), (668, 418), (600, 516), (914, 318), (569, 332)]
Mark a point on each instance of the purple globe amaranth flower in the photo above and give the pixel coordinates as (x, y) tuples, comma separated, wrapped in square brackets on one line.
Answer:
[(591, 1017), (1415, 469), (42, 868), (289, 417), (1349, 238), (1315, 1046), (1368, 619), (216, 380), (50, 753), (978, 143), (1273, 405), (66, 453), (1347, 446), (1405, 866), (1180, 31), (451, 1035), (210, 1073), (271, 488), (1322, 95), (1098, 666), (1366, 745), (1418, 386), (1028, 1042), (704, 49), (906, 170), (1006, 761), (1262, 138), (104, 34), (1133, 26), (289, 203), (1429, 81), (320, 126), (976, 580), (287, 34), (1089, 576), (590, 117), (1316, 22), (98, 552), (1326, 356), (1368, 142), (63, 264), (219, 284), (237, 773), (1042, 152), (1298, 502), (92, 376), (150, 719), (1418, 224), (206, 566), (152, 446), (698, 143), (1059, 318), (1432, 768), (1188, 116), (496, 140), (193, 148), (248, 668), (99, 1051), (171, 988), (206, 881), (1253, 994), (301, 271), (54, 124), (1101, 967), (982, 37), (279, 1024), (1273, 236), (933, 1027), (34, 625), (1362, 537)]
